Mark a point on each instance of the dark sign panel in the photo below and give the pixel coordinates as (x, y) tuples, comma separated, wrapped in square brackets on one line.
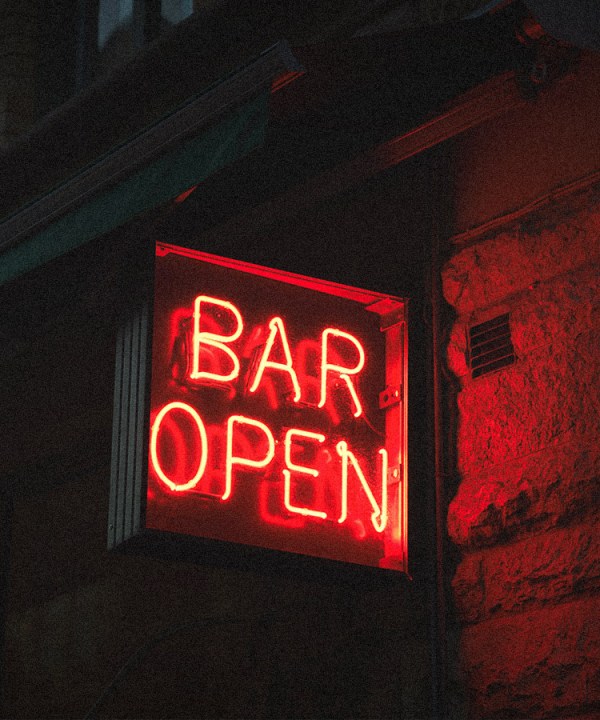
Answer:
[(277, 411)]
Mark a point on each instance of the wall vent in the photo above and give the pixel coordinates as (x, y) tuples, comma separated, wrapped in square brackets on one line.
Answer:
[(490, 346)]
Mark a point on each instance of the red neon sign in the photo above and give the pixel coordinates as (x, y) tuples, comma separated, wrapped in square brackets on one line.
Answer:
[(278, 411)]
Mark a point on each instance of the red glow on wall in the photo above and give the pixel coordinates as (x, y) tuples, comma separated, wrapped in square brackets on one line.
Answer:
[(278, 411)]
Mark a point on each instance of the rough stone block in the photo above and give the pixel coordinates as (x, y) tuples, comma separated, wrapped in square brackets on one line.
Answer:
[(542, 490), (553, 312), (548, 397), (539, 570), (544, 663), (508, 263)]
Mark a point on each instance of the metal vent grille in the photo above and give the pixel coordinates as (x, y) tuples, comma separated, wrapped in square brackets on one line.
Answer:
[(490, 346)]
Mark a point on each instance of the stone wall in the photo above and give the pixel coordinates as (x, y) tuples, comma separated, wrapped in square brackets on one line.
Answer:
[(525, 513)]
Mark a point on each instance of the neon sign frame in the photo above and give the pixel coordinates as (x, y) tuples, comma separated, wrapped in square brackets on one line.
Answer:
[(270, 412)]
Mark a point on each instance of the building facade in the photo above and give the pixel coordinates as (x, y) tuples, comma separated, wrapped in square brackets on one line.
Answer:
[(446, 154)]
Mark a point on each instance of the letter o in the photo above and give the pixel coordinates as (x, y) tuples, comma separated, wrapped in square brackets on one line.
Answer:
[(203, 440)]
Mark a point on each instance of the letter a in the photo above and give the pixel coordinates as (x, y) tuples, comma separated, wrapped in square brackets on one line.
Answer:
[(276, 326)]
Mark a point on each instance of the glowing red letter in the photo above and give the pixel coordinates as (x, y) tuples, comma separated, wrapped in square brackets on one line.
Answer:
[(343, 372), (379, 514), (276, 326), (232, 459), (300, 469), (215, 340), (154, 439)]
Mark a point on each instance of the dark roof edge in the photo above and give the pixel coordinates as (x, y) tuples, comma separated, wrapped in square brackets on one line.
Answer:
[(276, 65)]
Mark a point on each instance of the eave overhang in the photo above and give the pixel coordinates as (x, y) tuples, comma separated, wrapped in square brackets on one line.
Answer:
[(182, 149)]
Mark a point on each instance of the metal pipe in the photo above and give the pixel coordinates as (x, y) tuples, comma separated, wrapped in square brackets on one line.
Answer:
[(440, 649)]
